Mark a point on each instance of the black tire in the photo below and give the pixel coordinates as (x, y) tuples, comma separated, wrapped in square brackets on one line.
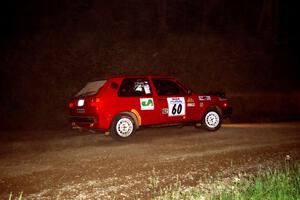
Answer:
[(212, 120), (122, 126)]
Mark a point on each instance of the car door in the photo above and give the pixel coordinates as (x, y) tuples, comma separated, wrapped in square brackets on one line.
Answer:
[(171, 100), (135, 95)]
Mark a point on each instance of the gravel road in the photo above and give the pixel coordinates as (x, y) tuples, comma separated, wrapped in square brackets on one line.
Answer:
[(84, 165)]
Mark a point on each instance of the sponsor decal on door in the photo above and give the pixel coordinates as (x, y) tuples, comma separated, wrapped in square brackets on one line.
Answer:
[(147, 103), (176, 106), (190, 102)]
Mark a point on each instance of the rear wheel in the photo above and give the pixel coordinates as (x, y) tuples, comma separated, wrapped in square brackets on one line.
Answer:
[(212, 120), (123, 126)]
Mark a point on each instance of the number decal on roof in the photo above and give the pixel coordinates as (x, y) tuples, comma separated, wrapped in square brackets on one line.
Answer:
[(176, 106)]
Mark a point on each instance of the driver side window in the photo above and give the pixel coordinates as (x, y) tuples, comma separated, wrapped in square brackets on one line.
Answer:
[(131, 87)]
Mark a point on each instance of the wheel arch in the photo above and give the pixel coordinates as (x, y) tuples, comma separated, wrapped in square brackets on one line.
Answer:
[(133, 115), (212, 107)]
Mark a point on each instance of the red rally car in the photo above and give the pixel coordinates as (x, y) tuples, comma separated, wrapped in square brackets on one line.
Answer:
[(122, 104)]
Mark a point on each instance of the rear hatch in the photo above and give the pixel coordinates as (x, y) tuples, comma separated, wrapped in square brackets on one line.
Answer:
[(85, 101)]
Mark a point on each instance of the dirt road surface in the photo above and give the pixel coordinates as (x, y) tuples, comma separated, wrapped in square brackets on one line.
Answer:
[(84, 165)]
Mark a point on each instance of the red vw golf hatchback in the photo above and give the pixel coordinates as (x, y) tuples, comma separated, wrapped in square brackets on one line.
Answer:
[(122, 104)]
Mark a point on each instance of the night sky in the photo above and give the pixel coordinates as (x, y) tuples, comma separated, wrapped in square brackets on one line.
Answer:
[(49, 49)]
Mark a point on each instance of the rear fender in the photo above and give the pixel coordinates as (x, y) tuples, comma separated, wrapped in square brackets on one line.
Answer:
[(134, 117)]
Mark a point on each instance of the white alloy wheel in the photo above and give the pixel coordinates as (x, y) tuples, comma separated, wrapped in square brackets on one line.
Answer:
[(124, 127), (212, 119)]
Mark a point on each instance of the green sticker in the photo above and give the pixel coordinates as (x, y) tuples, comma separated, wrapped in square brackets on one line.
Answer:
[(147, 103)]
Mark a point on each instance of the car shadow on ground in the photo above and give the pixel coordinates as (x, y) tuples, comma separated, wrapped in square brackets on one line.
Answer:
[(150, 134)]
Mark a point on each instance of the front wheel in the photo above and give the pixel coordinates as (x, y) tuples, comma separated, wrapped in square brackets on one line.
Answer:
[(122, 126), (212, 120)]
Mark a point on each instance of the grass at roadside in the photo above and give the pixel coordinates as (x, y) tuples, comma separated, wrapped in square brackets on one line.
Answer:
[(283, 184), (10, 197), (265, 184)]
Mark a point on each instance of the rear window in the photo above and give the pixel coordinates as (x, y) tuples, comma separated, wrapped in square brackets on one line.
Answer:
[(91, 88)]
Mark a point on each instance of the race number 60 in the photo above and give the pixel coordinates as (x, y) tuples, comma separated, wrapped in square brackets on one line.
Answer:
[(176, 106), (177, 109)]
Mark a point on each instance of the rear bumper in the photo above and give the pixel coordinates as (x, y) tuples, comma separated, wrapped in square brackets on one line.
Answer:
[(84, 121)]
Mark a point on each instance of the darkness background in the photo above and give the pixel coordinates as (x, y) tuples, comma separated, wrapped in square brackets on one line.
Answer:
[(50, 49)]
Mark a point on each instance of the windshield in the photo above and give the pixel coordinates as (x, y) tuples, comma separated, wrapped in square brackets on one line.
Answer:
[(91, 88)]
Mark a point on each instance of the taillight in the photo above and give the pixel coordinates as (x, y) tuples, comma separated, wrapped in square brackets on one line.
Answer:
[(225, 104), (71, 105), (95, 102)]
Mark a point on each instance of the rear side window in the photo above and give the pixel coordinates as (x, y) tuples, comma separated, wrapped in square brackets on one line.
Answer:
[(91, 88), (134, 87), (167, 87)]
